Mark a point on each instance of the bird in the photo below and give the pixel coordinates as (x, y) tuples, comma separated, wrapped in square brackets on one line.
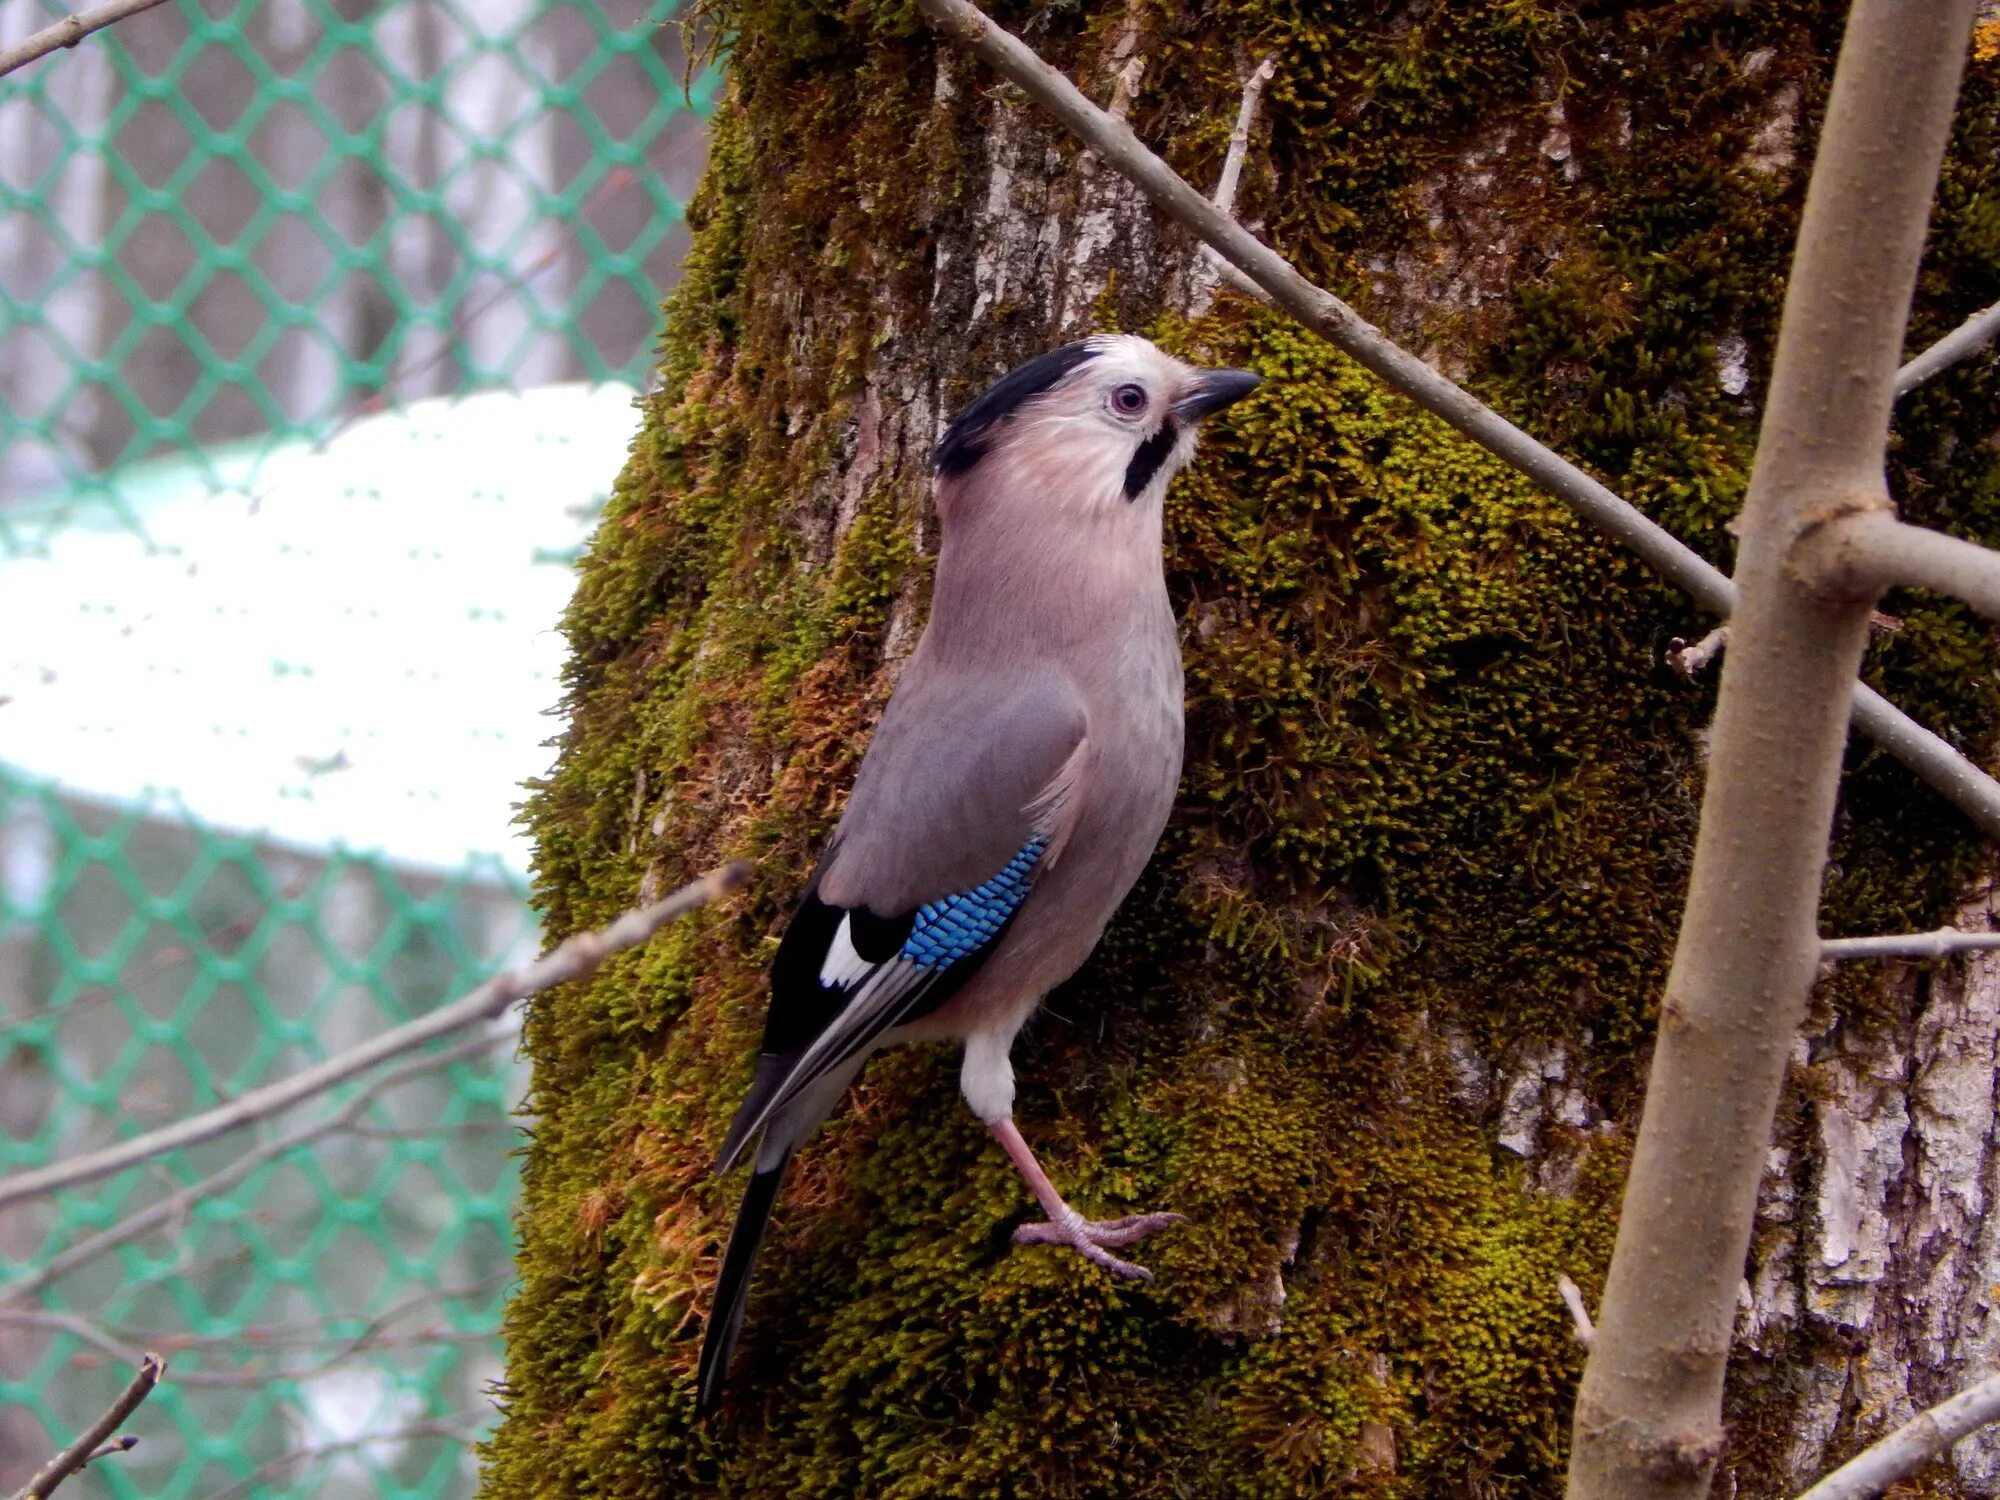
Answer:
[(1020, 777)]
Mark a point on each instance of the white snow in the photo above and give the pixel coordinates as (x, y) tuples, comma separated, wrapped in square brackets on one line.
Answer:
[(352, 647)]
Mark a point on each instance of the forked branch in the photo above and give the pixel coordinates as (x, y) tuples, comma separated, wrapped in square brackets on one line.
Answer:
[(175, 1206), (1872, 551), (1648, 1413)]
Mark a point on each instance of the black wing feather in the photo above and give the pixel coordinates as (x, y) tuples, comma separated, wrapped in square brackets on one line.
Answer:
[(802, 1007)]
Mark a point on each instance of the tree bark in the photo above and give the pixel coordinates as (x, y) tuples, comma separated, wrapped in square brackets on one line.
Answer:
[(1377, 1017)]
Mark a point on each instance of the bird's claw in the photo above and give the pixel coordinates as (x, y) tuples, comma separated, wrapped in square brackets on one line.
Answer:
[(1095, 1241)]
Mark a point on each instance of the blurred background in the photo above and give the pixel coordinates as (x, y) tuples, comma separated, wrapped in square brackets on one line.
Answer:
[(321, 322)]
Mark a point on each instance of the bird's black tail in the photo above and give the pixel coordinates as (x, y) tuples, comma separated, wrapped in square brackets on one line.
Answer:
[(732, 1287)]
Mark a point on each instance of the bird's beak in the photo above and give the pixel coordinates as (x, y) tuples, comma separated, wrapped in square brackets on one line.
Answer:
[(1212, 390)]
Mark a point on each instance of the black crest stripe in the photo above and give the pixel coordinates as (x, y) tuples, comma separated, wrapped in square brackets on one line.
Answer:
[(963, 442), (1147, 460)]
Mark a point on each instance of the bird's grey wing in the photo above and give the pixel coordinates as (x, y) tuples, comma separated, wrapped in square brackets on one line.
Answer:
[(968, 791)]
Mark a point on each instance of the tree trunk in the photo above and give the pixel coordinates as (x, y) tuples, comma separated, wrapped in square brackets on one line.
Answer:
[(1378, 1016)]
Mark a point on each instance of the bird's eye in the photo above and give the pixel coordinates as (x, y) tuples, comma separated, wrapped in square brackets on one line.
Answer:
[(1129, 400)]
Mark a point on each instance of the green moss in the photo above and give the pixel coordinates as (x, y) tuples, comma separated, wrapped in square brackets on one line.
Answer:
[(1437, 810)]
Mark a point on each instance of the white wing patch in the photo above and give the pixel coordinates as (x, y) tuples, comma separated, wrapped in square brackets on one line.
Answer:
[(872, 1010), (843, 966)]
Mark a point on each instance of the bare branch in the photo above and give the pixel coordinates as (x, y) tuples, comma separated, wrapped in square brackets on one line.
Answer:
[(1927, 1436), (1323, 312), (573, 958), (1213, 269), (110, 1346), (1954, 777), (1964, 341), (172, 1207), (95, 1443), (1931, 757), (253, 1372), (1239, 138), (1939, 944), (1688, 660), (451, 1428), (69, 31), (1648, 1423), (1868, 551), (1572, 1295)]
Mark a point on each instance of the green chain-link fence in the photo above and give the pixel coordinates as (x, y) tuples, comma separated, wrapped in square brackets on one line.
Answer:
[(319, 325)]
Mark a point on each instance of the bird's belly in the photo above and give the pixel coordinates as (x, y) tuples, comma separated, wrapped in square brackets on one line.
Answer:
[(1133, 773)]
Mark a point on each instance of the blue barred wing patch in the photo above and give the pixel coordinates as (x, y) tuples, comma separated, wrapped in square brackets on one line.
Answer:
[(947, 930)]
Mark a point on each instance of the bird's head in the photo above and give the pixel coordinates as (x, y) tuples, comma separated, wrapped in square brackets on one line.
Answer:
[(1101, 424)]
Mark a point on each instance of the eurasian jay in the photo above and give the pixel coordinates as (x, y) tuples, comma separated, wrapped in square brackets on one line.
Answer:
[(1016, 786)]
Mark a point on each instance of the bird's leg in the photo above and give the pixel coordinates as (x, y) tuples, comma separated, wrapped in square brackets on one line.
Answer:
[(1065, 1226)]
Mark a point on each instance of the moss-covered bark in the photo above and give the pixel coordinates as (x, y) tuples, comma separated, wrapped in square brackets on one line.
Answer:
[(1376, 1018)]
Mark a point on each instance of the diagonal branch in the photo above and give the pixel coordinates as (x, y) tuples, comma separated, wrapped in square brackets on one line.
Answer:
[(574, 958), (1930, 757), (95, 1442), (1964, 341), (69, 31), (1929, 1435), (451, 1428), (171, 1208), (1323, 312)]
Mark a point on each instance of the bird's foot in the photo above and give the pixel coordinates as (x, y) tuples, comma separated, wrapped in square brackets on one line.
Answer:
[(1095, 1241)]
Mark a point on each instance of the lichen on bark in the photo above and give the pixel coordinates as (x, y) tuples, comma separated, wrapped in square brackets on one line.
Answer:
[(1376, 1017)]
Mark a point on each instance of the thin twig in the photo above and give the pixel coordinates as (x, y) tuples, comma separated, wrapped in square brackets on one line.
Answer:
[(1930, 757), (91, 1336), (1239, 138), (1213, 268), (162, 959), (1689, 660), (173, 1206), (1964, 341), (1323, 312), (573, 958), (254, 1373), (449, 1428), (69, 31), (1572, 1296), (1927, 1436), (95, 1443), (1939, 944)]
